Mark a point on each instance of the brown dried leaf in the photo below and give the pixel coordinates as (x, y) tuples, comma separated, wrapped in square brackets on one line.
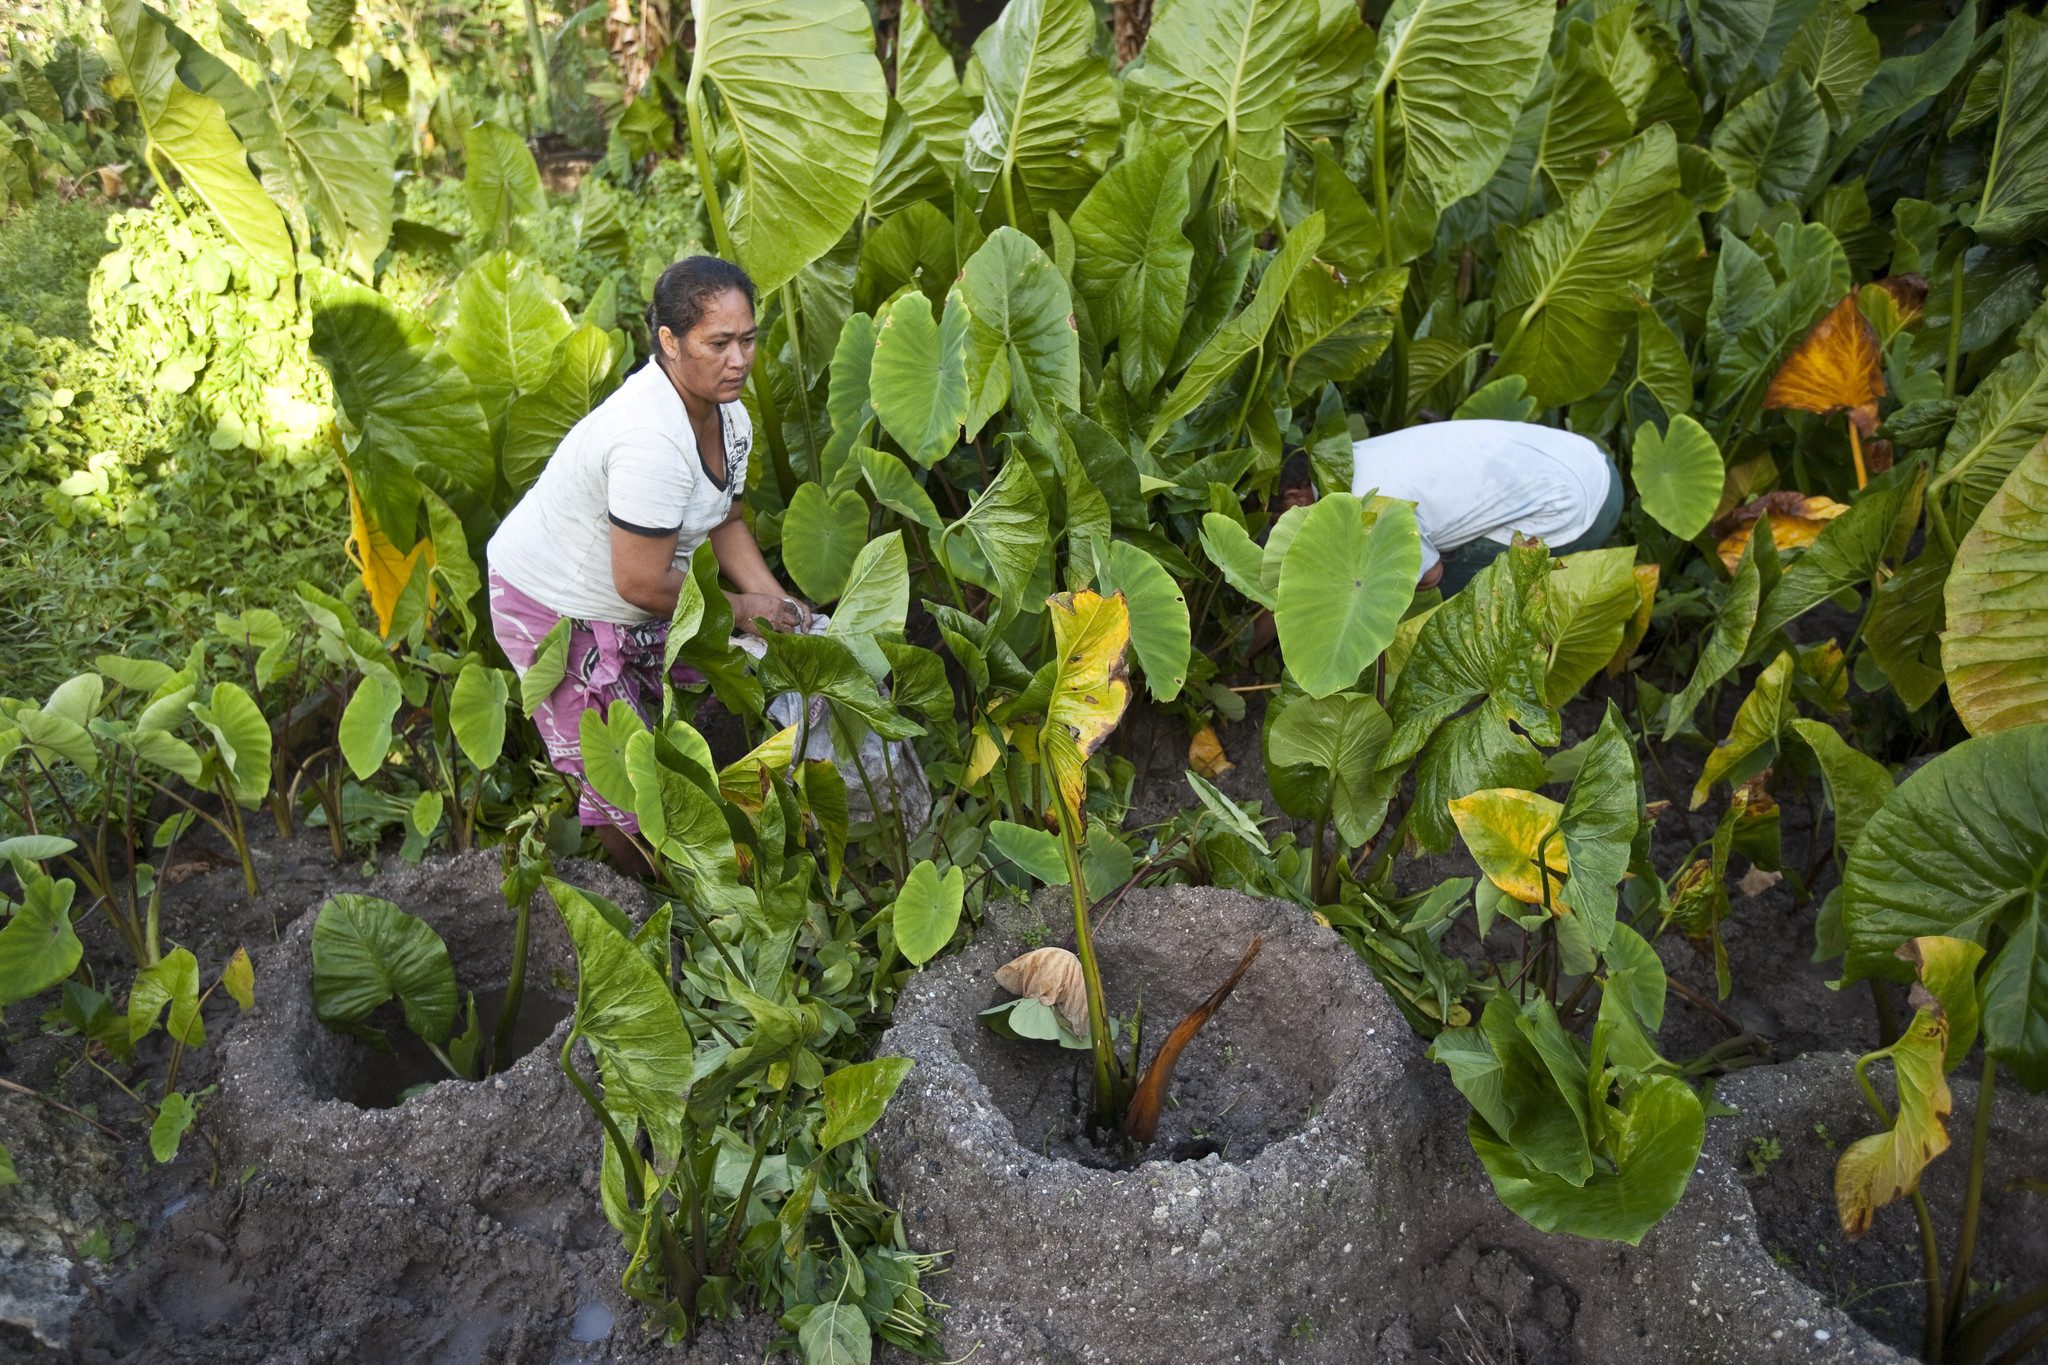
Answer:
[(1051, 976), (1141, 1119), (1206, 756), (1796, 522)]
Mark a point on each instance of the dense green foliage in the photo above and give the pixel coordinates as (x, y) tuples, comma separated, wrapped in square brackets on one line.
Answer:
[(1038, 327)]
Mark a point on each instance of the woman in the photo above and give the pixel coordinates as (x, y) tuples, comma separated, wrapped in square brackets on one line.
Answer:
[(604, 536)]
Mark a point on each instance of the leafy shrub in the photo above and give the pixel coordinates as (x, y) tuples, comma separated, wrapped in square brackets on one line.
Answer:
[(220, 338)]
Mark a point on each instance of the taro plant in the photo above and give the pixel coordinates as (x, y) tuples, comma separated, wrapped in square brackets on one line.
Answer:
[(731, 1109), (1943, 887), (40, 949), (101, 761)]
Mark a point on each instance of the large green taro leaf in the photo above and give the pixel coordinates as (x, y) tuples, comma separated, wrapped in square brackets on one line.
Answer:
[(624, 1012), (1473, 752), (1995, 649), (1332, 65), (1022, 345), (1160, 635), (1679, 473), (1345, 580), (1322, 759), (191, 132), (1486, 642), (1131, 259), (1771, 143), (1245, 332), (38, 947), (1961, 850), (1654, 1139), (1334, 326), (507, 330), (875, 599), (1458, 71), (241, 736), (1856, 784), (584, 373), (1848, 554), (918, 379), (928, 89), (1008, 525), (2001, 420), (367, 951), (927, 911), (417, 412), (821, 534), (1048, 118), (2014, 205), (500, 180), (1592, 596), (806, 100), (1220, 76), (1600, 817), (334, 165), (1757, 315), (1835, 51), (1568, 282), (1729, 633)]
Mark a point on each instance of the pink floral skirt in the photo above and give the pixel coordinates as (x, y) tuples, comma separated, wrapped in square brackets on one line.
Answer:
[(607, 662)]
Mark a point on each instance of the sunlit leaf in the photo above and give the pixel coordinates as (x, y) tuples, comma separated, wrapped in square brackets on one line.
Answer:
[(1515, 838), (1090, 687)]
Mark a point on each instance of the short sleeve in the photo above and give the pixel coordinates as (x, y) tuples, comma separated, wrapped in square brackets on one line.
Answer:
[(739, 443), (647, 484)]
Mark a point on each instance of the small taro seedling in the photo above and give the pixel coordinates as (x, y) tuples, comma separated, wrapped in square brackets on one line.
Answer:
[(1089, 692), (367, 952)]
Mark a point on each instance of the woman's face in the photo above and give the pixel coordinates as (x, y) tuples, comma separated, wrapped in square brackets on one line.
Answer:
[(712, 359)]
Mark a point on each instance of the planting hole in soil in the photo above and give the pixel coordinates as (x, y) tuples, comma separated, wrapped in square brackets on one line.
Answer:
[(384, 1080), (1251, 1077)]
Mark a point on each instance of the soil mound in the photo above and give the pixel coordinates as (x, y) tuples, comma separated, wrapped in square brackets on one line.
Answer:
[(1352, 1222)]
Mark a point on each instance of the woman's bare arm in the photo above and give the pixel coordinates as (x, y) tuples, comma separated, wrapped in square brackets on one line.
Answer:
[(644, 572)]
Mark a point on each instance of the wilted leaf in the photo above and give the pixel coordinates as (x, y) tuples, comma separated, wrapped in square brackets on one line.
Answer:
[(1206, 756), (1836, 366), (1090, 687), (1051, 976), (1880, 1168), (1516, 839), (1141, 1119), (1796, 522), (385, 568)]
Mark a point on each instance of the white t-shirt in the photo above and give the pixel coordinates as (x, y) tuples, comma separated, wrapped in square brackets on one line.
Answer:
[(631, 462), (1485, 478)]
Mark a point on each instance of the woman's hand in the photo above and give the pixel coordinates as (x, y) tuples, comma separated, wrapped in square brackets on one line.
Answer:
[(781, 613)]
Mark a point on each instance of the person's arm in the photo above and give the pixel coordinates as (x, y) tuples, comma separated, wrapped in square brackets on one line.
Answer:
[(760, 595), (643, 569)]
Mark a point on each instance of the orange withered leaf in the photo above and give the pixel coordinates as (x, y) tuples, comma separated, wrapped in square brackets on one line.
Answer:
[(1796, 522), (1835, 367)]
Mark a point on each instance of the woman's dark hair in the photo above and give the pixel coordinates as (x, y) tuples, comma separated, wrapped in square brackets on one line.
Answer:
[(683, 290)]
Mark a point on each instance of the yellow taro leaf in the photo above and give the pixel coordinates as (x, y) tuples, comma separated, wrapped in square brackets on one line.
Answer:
[(981, 759), (1638, 625), (1506, 829), (1884, 1166), (1836, 366), (1797, 520), (385, 571), (740, 781), (238, 979), (1206, 756), (1090, 687)]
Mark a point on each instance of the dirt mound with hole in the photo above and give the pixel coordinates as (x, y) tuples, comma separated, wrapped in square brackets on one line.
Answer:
[(463, 1225), (1342, 1215)]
